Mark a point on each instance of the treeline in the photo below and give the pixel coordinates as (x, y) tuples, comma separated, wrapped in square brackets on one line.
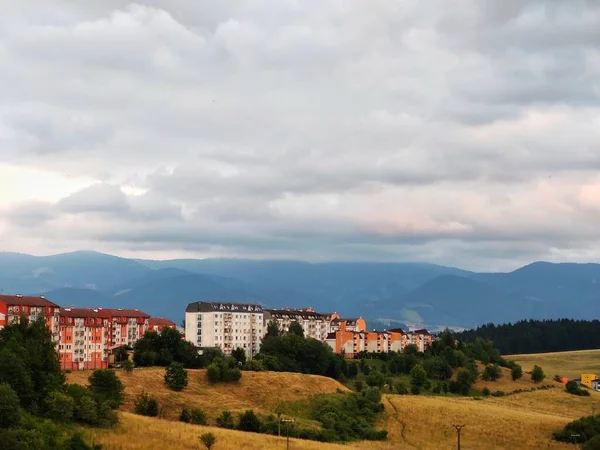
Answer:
[(538, 336), (37, 408)]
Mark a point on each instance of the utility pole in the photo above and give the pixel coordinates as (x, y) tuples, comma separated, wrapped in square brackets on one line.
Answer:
[(287, 422), (458, 429)]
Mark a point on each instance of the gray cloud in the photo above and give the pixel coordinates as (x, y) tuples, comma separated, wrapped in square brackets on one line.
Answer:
[(466, 135)]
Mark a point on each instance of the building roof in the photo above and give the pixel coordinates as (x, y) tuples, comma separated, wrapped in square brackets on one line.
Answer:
[(81, 312), (421, 331), (348, 321), (21, 300), (223, 306), (161, 321), (330, 336), (295, 313), (120, 312), (397, 330)]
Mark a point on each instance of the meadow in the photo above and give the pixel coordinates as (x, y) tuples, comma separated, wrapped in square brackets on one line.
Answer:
[(567, 364)]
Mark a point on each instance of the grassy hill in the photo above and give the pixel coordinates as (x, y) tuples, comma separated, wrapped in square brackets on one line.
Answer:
[(524, 420), (567, 364), (261, 391)]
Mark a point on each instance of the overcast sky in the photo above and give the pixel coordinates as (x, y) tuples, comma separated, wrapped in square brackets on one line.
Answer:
[(463, 132)]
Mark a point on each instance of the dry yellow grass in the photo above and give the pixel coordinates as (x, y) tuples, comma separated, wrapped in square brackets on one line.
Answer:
[(261, 391), (506, 384), (567, 364), (143, 433)]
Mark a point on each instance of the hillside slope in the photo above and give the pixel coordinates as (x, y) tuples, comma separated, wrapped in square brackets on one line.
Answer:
[(261, 391)]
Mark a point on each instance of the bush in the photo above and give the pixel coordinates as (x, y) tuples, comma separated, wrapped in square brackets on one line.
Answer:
[(588, 428), (418, 376), (196, 416), (145, 405), (249, 422), (225, 420), (254, 365), (10, 410), (592, 444), (106, 386), (537, 374), (239, 354), (415, 390), (148, 358), (492, 372), (358, 384), (208, 439), (127, 366), (176, 377), (375, 379), (352, 371), (59, 407), (498, 394), (572, 387), (486, 392), (516, 372), (223, 370)]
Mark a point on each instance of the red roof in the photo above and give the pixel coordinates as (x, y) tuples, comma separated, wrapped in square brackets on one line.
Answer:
[(20, 300), (123, 312), (80, 312), (422, 331), (162, 321)]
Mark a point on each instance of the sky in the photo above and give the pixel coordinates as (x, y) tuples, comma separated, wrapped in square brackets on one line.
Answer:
[(464, 133)]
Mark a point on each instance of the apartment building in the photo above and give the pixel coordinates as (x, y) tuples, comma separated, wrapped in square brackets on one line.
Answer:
[(13, 307), (159, 323), (420, 338), (338, 323), (83, 339), (225, 325), (315, 325), (125, 326)]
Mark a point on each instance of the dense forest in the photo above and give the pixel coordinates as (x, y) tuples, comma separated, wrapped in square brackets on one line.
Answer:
[(538, 336)]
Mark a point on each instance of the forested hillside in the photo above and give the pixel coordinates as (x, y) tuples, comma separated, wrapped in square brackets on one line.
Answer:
[(538, 336)]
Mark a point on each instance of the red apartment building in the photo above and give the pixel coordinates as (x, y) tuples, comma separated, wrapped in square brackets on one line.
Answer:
[(84, 338), (159, 323), (125, 326), (13, 307)]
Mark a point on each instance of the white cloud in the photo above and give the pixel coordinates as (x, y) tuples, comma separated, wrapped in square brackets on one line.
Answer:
[(380, 130)]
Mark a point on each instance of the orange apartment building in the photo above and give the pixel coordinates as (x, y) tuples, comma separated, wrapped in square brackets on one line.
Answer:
[(159, 323), (84, 337), (125, 326), (13, 307)]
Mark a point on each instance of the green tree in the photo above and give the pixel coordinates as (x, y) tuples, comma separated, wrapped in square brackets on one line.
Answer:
[(375, 379), (225, 420), (296, 328), (10, 410), (239, 354), (272, 329), (537, 374), (105, 385), (208, 439), (146, 405), (352, 370), (176, 377), (491, 372), (14, 372), (121, 354), (127, 366), (59, 406), (249, 422), (418, 376), (516, 372)]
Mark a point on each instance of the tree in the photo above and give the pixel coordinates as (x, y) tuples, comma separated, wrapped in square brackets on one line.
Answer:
[(225, 420), (10, 410), (121, 354), (516, 372), (59, 406), (537, 374), (375, 379), (176, 377), (272, 329), (14, 372), (146, 405), (127, 366), (418, 375), (105, 384), (239, 354), (296, 328), (352, 370), (491, 372), (208, 439), (196, 416), (249, 422)]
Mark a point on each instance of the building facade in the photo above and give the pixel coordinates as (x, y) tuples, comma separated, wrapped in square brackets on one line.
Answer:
[(83, 339), (125, 326), (13, 307), (159, 323), (225, 325), (315, 325)]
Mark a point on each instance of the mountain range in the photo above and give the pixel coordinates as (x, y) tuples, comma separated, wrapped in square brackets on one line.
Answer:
[(386, 294)]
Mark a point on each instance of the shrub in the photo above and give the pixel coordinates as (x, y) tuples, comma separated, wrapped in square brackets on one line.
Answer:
[(352, 370), (127, 366), (415, 390), (208, 439), (491, 372), (249, 422), (588, 428), (145, 405), (106, 386), (225, 420), (418, 375), (176, 377), (254, 365), (196, 416), (59, 406), (486, 392), (239, 354), (592, 444), (223, 370), (498, 394), (358, 384), (375, 378), (573, 388), (516, 372), (10, 410), (537, 374)]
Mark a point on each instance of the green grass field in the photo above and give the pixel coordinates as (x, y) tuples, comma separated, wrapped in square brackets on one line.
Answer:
[(567, 364)]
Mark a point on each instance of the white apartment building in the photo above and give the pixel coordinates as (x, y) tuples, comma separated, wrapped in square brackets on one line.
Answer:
[(225, 325), (315, 325)]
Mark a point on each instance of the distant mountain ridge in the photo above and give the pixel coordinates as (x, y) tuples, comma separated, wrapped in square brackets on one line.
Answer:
[(386, 294)]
